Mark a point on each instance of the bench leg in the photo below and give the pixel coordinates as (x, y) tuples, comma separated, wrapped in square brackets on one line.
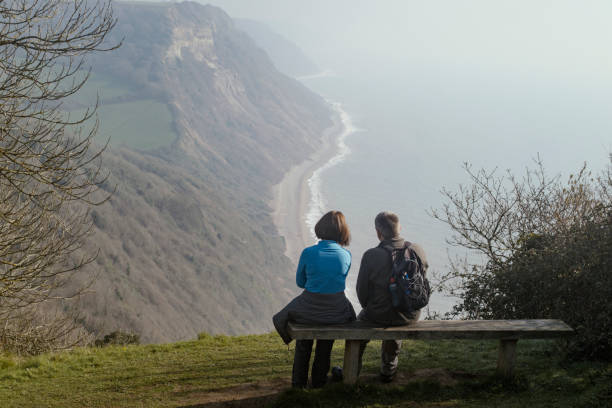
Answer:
[(505, 360), (351, 361)]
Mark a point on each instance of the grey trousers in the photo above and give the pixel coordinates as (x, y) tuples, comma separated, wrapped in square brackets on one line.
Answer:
[(389, 351), (389, 355)]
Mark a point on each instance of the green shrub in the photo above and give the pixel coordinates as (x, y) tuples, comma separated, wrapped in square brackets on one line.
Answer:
[(118, 338), (204, 336), (561, 277), (547, 250)]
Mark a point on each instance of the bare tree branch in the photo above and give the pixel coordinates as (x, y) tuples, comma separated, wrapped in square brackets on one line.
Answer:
[(497, 213), (49, 170)]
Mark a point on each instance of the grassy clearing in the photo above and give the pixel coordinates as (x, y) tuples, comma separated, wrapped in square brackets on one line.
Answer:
[(441, 373), (142, 123), (102, 87)]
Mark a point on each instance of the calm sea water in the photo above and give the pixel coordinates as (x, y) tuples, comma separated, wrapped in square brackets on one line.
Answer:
[(417, 127)]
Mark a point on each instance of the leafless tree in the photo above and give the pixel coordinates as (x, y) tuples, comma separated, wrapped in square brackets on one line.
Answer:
[(49, 169), (497, 212)]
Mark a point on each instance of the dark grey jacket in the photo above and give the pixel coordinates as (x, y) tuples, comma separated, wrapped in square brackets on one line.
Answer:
[(314, 308), (373, 284)]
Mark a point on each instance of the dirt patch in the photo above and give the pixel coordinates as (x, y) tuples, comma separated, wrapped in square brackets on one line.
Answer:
[(439, 375), (259, 394), (243, 396)]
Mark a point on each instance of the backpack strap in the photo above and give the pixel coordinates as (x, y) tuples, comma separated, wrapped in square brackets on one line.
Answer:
[(411, 251)]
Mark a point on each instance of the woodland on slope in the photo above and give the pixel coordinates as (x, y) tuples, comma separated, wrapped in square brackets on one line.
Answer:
[(202, 125)]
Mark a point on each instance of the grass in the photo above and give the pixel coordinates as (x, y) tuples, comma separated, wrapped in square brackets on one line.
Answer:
[(100, 86), (141, 123), (437, 373)]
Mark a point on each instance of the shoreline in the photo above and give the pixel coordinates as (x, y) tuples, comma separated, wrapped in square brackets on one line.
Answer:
[(291, 197)]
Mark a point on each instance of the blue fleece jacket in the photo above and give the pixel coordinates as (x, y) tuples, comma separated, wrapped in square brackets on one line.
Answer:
[(323, 268)]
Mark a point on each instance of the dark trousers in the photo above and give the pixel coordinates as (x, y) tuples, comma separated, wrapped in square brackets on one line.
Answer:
[(320, 366)]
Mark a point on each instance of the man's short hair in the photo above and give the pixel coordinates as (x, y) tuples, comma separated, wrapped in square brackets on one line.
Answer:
[(387, 224)]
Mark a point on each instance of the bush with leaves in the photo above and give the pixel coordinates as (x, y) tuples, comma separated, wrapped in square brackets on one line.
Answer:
[(546, 248), (118, 338)]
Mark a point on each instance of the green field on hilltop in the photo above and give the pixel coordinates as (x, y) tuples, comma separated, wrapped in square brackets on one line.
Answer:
[(100, 86), (128, 119), (142, 124), (200, 372)]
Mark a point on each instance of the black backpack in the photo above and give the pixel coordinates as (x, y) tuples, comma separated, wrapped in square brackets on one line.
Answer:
[(408, 285)]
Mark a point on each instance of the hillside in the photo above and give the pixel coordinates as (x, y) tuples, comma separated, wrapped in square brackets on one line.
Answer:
[(202, 125), (256, 371)]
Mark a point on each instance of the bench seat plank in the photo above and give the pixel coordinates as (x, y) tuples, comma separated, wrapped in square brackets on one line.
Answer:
[(507, 331), (437, 329)]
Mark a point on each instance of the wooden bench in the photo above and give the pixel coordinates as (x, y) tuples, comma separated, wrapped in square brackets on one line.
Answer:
[(507, 331)]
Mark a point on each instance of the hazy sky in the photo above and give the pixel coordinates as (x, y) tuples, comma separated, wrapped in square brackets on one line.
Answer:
[(554, 38)]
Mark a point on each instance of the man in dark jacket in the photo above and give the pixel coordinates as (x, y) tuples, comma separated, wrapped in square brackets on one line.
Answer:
[(373, 289)]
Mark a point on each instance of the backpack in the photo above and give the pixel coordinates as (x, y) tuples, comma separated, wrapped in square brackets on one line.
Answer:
[(408, 285)]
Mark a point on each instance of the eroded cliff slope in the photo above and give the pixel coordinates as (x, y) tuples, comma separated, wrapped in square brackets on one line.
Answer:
[(187, 242)]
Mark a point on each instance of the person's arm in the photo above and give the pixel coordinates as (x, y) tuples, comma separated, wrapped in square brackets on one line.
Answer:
[(348, 259), (300, 276), (363, 282)]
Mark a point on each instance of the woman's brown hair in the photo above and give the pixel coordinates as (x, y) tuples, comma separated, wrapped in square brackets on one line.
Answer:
[(333, 226)]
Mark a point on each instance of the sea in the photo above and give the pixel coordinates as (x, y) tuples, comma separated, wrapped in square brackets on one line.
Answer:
[(408, 132)]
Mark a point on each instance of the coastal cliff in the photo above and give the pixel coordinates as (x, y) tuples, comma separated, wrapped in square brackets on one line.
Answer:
[(187, 243)]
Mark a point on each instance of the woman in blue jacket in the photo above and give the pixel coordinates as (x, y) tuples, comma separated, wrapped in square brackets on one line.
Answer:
[(322, 271)]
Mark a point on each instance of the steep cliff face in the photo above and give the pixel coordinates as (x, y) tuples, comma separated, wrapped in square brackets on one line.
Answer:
[(187, 242)]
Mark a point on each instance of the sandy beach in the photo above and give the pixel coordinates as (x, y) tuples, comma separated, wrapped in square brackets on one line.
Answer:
[(292, 194)]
